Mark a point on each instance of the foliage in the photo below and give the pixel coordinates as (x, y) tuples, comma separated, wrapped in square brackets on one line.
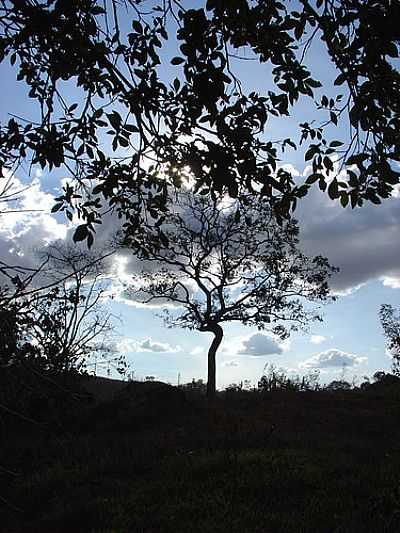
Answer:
[(103, 70), (390, 321), (338, 385), (218, 266), (274, 378)]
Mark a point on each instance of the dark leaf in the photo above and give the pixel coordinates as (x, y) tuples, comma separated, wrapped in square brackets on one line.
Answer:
[(177, 60), (81, 233)]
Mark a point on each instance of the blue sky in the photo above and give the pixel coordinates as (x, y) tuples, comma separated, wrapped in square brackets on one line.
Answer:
[(363, 243)]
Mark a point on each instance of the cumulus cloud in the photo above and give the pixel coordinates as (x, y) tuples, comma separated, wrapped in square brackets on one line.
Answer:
[(260, 344), (127, 345), (27, 225), (147, 345), (332, 358), (317, 339)]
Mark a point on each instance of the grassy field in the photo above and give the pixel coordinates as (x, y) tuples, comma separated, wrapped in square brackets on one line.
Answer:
[(150, 459)]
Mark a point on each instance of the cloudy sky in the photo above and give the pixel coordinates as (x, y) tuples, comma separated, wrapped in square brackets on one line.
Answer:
[(363, 243)]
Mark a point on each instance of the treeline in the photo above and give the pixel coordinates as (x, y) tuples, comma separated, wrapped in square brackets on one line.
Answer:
[(277, 379)]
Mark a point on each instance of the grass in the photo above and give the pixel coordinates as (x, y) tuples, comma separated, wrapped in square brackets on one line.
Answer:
[(277, 462)]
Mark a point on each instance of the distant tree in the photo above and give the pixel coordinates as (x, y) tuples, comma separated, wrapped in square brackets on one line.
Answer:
[(217, 266), (338, 385), (101, 69), (274, 378), (390, 321), (196, 385)]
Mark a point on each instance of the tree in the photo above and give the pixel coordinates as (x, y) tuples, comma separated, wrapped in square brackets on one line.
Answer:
[(274, 378), (219, 267), (338, 385), (48, 332), (390, 321), (101, 70)]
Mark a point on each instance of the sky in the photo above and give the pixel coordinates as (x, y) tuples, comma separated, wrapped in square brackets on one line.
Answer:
[(363, 243)]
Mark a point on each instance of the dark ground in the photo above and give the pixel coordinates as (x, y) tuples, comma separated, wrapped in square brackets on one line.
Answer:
[(148, 458)]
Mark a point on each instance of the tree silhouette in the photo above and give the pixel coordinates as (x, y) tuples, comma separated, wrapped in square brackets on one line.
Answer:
[(56, 323), (217, 266), (101, 69)]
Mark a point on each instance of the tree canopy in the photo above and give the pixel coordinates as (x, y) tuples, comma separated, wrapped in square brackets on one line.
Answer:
[(127, 112), (216, 266)]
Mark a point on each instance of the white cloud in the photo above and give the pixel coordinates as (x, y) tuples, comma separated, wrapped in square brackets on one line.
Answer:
[(149, 345), (317, 339), (258, 344), (197, 350), (31, 227), (332, 358), (230, 363), (392, 282), (288, 167), (127, 345), (146, 345)]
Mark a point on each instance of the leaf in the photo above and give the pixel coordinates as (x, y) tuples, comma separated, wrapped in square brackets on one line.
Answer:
[(340, 79), (302, 191), (312, 178), (114, 119), (136, 26), (356, 159), (123, 142), (314, 83), (81, 233), (97, 189), (90, 240), (344, 198), (131, 128), (334, 118), (335, 144), (97, 10), (57, 207), (177, 84), (298, 32), (310, 153), (333, 191), (89, 151), (177, 60), (328, 163)]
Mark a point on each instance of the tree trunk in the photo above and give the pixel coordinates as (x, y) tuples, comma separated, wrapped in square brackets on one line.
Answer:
[(211, 379)]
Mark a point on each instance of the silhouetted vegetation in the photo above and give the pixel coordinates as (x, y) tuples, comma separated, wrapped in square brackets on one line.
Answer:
[(132, 122), (220, 262), (181, 108), (47, 333)]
